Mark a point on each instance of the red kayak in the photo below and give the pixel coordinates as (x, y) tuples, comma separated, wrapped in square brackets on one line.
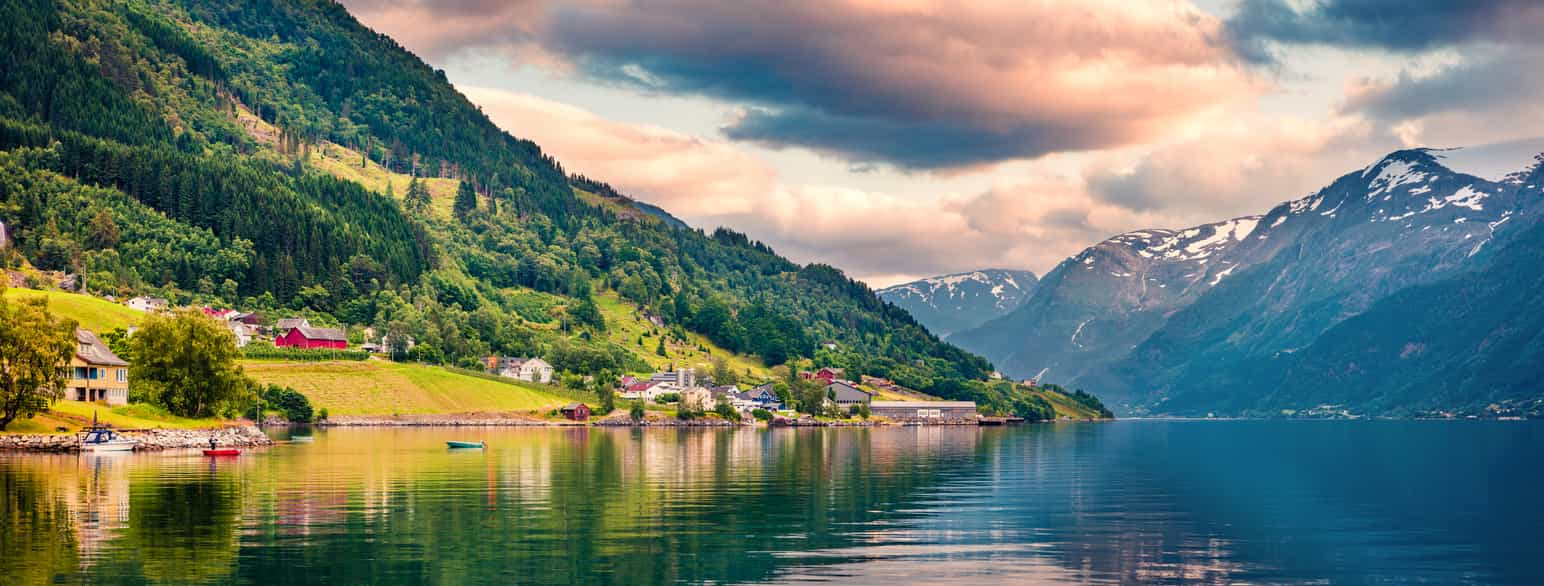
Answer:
[(223, 452)]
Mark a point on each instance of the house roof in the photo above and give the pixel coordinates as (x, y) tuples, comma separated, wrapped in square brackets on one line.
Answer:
[(841, 387), (329, 334), (923, 404), (289, 323), (761, 391), (573, 406), (91, 350)]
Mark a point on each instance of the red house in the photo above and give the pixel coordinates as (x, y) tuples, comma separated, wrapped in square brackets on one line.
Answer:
[(576, 411), (307, 338), (826, 375)]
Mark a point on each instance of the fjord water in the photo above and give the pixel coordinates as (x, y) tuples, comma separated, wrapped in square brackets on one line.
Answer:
[(1139, 501)]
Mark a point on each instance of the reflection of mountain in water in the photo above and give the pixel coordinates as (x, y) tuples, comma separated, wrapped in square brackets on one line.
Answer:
[(1128, 502)]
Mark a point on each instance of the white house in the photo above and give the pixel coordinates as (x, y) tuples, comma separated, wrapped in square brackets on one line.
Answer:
[(533, 370), (653, 392), (243, 332), (148, 304), (407, 343)]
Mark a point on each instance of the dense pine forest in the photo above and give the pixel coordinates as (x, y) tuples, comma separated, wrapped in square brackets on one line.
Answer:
[(175, 147)]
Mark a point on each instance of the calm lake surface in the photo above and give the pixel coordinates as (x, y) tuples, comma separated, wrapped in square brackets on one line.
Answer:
[(1139, 501)]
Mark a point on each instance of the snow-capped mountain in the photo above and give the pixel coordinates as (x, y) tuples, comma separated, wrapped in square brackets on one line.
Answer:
[(1153, 316), (950, 303)]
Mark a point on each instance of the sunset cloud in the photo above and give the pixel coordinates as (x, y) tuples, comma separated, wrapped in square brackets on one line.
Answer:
[(1392, 25), (880, 237), (690, 177), (920, 85)]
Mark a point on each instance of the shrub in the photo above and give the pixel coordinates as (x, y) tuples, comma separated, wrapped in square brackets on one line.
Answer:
[(668, 398), (635, 412), (266, 352), (761, 414), (727, 411), (292, 405)]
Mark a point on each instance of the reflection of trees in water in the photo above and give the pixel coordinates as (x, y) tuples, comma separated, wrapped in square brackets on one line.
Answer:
[(183, 525), (623, 506), (37, 538)]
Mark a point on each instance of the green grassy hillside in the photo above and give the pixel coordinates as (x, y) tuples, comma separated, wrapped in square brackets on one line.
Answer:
[(376, 387), (93, 313), (71, 416)]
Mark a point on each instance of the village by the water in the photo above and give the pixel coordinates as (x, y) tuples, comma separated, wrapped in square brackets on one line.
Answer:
[(97, 379)]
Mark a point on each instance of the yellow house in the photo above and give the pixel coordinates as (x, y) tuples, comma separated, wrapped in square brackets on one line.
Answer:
[(95, 373)]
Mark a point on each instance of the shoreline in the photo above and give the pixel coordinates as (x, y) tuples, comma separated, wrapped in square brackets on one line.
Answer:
[(148, 440), (251, 435)]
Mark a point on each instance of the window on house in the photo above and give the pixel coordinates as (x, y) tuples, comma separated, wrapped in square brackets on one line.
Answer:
[(80, 372), (123, 375)]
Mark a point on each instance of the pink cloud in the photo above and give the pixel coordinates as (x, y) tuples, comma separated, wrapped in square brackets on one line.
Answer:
[(689, 176), (933, 85)]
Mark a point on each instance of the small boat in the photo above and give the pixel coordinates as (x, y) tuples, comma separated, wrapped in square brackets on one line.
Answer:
[(301, 439), (102, 439), (223, 452), (466, 445)]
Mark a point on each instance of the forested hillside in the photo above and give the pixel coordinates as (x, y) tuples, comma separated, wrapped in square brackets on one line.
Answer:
[(207, 150)]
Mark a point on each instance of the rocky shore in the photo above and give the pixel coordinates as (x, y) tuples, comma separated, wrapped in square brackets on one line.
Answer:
[(236, 436)]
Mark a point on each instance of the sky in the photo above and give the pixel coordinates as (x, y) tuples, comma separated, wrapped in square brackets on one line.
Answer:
[(908, 138)]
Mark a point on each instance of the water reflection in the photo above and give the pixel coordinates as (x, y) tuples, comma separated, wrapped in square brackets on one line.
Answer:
[(1135, 502)]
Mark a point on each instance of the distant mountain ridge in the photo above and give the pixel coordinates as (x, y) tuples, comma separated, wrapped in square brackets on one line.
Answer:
[(1166, 321), (950, 303)]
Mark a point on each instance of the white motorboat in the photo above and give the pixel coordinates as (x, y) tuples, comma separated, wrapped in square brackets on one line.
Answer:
[(101, 439)]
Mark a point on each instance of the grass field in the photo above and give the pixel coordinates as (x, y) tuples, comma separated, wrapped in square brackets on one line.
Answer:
[(624, 327), (343, 163), (1065, 406), (378, 387), (95, 314), (73, 415)]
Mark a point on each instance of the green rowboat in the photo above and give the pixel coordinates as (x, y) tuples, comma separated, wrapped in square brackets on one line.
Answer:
[(466, 444)]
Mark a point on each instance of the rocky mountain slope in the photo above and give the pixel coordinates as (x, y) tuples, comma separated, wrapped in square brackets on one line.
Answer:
[(1156, 315), (951, 303)]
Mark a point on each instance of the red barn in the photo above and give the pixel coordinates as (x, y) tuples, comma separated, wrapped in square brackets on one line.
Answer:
[(829, 375), (307, 338), (576, 411)]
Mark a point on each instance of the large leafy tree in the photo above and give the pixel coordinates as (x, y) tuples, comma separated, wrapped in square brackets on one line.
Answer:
[(33, 346), (187, 364)]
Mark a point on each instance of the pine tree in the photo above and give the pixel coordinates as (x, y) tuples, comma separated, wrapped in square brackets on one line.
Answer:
[(466, 201), (417, 198)]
